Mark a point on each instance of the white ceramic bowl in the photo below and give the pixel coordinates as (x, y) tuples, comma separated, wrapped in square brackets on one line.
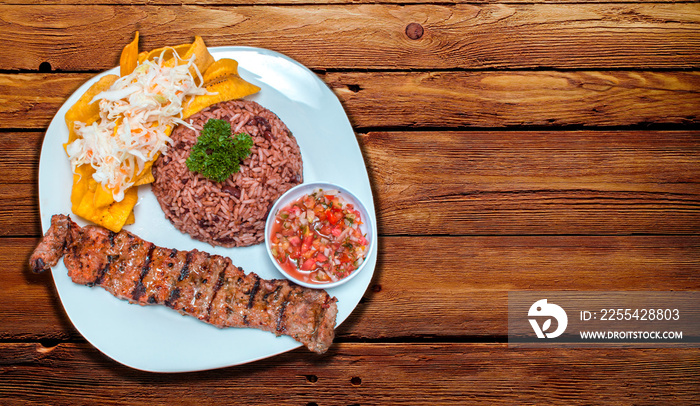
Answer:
[(304, 189)]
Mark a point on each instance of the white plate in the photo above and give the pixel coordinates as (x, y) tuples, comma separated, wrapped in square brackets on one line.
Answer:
[(155, 338)]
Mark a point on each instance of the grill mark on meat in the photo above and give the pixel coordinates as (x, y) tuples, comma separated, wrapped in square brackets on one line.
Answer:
[(188, 277), (274, 292), (140, 290), (267, 307), (226, 308), (103, 272), (173, 298), (186, 267), (217, 288), (165, 270), (253, 291), (194, 283), (198, 289), (131, 256)]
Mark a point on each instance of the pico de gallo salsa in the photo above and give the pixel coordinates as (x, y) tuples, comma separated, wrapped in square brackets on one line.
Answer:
[(317, 238)]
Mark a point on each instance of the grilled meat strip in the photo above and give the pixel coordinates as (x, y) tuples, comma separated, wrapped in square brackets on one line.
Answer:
[(208, 287)]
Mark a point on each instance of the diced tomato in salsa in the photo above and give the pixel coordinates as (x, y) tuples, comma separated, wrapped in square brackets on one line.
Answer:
[(317, 238)]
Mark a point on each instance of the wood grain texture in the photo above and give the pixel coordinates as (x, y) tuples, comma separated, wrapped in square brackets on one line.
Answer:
[(25, 293), (19, 214), (462, 36), (579, 182), (306, 2), (442, 99), (517, 98), (415, 374), (30, 101), (20, 154), (461, 282)]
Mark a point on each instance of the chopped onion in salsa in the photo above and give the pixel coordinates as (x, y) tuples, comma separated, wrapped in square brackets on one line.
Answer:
[(317, 238)]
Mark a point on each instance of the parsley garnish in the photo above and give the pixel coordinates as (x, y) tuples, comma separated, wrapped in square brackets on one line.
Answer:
[(217, 154)]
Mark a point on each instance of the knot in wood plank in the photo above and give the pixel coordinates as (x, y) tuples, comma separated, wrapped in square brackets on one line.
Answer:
[(414, 31)]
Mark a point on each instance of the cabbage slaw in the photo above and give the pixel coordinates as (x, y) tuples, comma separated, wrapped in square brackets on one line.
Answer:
[(136, 113)]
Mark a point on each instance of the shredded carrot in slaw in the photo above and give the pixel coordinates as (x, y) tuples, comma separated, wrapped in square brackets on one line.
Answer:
[(137, 114)]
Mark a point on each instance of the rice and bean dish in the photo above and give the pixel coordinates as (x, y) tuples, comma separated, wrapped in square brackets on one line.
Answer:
[(230, 213)]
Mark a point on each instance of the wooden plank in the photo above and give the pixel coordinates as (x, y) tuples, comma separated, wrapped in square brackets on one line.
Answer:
[(442, 99), (19, 213), (20, 156), (29, 301), (462, 281), (579, 182), (522, 98), (30, 101), (481, 183), (305, 2), (399, 374), (462, 36)]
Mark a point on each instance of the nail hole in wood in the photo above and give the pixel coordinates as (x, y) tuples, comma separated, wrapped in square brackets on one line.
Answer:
[(376, 288), (355, 380), (44, 67), (414, 31), (311, 378), (49, 343)]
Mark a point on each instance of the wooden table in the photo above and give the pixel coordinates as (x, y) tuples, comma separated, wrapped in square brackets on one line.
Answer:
[(511, 146)]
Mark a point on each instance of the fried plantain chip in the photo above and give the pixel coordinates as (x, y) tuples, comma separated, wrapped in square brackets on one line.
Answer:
[(80, 183), (184, 51), (222, 83), (131, 219), (232, 88), (220, 70), (167, 53), (94, 203), (129, 58), (146, 176), (85, 112), (89, 202), (142, 56), (202, 58)]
